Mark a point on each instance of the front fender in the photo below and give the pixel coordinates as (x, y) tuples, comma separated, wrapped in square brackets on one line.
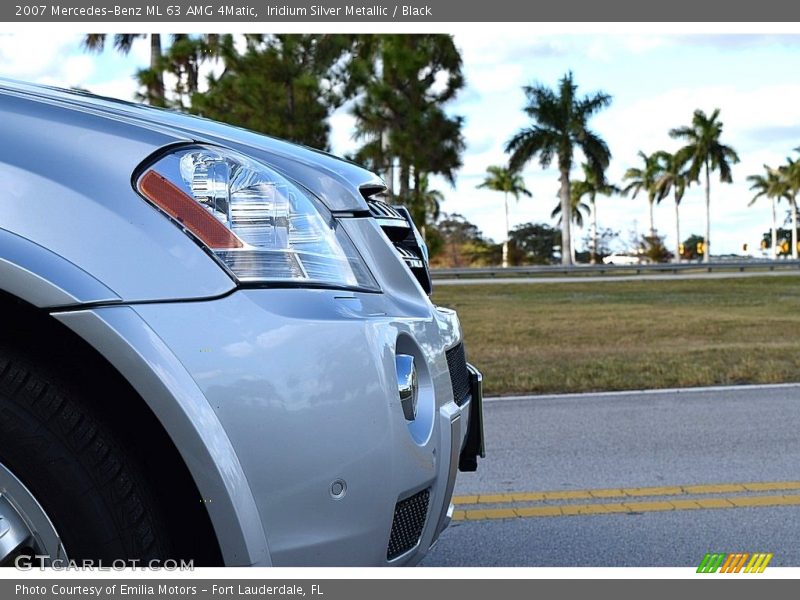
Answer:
[(134, 349), (66, 181), (44, 279)]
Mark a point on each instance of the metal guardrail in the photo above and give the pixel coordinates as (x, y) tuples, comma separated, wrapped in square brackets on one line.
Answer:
[(602, 269)]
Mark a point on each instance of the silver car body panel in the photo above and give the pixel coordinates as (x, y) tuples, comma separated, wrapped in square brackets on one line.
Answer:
[(137, 352), (268, 394), (334, 415), (334, 180), (66, 180), (43, 278)]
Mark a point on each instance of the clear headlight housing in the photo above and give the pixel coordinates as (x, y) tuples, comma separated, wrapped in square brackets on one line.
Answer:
[(261, 226)]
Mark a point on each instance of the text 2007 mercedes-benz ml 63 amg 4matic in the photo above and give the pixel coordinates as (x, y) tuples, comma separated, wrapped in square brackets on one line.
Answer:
[(216, 346)]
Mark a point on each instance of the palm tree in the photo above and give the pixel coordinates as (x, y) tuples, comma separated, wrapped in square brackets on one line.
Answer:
[(704, 152), (578, 210), (772, 186), (644, 179), (560, 125), (790, 174), (95, 42), (503, 179), (675, 178), (591, 186)]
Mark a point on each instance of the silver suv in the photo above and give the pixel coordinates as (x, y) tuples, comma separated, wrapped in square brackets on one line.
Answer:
[(216, 346)]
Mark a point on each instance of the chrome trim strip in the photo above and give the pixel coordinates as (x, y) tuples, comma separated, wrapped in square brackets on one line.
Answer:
[(455, 436)]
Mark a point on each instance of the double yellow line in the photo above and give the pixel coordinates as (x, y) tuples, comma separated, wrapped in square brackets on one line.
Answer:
[(480, 507)]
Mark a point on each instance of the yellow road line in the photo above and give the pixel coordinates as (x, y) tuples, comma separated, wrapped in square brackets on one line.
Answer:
[(675, 490), (564, 510)]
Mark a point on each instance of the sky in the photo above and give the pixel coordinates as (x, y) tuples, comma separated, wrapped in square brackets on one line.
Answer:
[(656, 82)]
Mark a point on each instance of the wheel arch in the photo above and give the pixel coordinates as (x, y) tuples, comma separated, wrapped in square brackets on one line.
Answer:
[(185, 447)]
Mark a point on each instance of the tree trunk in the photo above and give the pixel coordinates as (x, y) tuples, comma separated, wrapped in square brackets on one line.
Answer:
[(405, 174), (419, 211), (156, 88), (707, 245), (386, 158), (593, 259), (794, 227), (566, 218), (677, 230), (290, 107), (505, 242), (774, 230), (651, 202)]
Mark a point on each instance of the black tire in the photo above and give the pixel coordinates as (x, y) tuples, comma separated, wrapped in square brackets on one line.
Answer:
[(92, 488)]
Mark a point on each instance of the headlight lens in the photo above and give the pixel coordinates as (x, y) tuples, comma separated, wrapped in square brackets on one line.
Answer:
[(260, 225)]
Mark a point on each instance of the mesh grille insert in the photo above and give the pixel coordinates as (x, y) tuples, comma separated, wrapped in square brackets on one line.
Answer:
[(409, 520), (459, 375)]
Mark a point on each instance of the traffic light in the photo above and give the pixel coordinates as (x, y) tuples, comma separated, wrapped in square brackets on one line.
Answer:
[(764, 244), (744, 247), (681, 249), (785, 247), (701, 248)]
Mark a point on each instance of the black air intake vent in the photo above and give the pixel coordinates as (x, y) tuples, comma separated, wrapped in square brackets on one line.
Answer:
[(459, 374), (409, 521), (394, 224), (399, 228)]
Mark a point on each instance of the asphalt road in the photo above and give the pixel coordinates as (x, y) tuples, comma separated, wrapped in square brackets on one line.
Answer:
[(632, 479), (607, 278)]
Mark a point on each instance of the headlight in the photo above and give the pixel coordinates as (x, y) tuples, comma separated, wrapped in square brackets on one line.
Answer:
[(260, 226)]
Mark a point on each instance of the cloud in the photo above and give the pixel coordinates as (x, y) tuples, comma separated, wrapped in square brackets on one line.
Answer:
[(469, 95), (342, 129), (737, 41), (484, 49), (605, 48), (59, 59), (123, 88), (37, 57), (775, 134)]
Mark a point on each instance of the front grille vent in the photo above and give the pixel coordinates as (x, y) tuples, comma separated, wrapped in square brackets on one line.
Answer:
[(459, 374), (379, 209), (398, 227), (409, 521), (393, 223), (411, 259)]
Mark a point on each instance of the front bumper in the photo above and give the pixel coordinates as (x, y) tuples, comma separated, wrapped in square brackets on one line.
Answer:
[(472, 445), (473, 440), (303, 385)]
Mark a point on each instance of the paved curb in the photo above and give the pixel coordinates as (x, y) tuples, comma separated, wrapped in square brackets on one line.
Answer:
[(656, 392)]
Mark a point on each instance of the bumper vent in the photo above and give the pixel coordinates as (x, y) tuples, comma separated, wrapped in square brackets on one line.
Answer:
[(398, 227), (408, 523), (459, 374)]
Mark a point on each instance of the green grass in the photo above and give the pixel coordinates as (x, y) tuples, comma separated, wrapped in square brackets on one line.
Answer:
[(578, 337)]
